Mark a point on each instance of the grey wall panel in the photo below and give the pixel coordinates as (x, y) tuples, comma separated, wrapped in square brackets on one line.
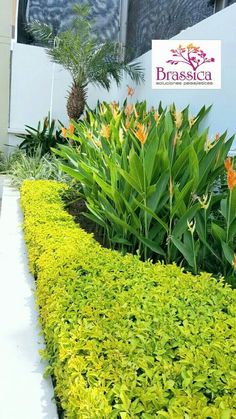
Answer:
[(161, 19), (59, 13)]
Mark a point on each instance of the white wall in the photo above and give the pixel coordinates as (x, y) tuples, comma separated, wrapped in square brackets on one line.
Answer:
[(32, 79)]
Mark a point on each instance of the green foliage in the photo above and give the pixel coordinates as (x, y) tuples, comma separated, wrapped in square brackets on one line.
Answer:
[(7, 161), (145, 176), (126, 339), (79, 51), (35, 167), (42, 138)]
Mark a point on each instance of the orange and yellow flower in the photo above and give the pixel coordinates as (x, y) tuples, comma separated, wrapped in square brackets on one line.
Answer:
[(156, 116), (130, 91), (105, 131), (141, 133), (217, 136), (231, 174), (72, 129), (231, 179), (64, 132), (228, 164), (129, 109), (90, 135)]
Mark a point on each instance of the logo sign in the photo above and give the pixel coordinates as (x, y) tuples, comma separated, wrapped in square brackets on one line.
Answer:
[(181, 64)]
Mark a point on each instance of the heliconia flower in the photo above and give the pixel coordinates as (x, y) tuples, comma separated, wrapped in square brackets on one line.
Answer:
[(228, 163), (46, 123), (90, 135), (191, 226), (209, 144), (231, 179), (204, 202), (156, 116), (114, 104), (136, 113), (105, 131), (191, 121), (130, 91), (103, 109), (178, 119), (217, 136), (129, 109), (141, 133), (64, 132), (234, 262), (72, 129)]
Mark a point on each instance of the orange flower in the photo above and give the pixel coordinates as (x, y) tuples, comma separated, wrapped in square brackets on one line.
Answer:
[(228, 164), (231, 178), (114, 104), (72, 129), (130, 91), (128, 110), (217, 136), (64, 132), (231, 174), (141, 133), (105, 131)]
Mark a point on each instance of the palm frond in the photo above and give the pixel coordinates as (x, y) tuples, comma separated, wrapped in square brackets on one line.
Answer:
[(41, 32)]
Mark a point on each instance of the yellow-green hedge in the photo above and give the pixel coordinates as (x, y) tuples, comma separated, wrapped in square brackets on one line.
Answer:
[(127, 339)]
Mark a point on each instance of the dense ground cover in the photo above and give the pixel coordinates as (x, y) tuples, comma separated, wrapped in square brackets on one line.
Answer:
[(125, 338)]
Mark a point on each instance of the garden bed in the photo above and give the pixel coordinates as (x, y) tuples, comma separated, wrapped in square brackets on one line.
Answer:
[(126, 338)]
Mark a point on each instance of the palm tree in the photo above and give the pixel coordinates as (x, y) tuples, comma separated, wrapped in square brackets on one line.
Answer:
[(78, 50)]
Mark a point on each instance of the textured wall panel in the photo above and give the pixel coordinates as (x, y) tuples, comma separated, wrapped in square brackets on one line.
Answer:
[(59, 12), (161, 19)]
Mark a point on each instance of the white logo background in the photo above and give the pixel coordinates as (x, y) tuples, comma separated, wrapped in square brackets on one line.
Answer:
[(161, 53)]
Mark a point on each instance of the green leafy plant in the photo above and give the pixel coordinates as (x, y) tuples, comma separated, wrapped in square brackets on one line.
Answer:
[(35, 167), (8, 160), (42, 138), (126, 339), (144, 176), (79, 51)]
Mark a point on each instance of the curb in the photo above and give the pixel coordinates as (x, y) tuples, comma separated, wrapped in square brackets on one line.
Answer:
[(25, 393)]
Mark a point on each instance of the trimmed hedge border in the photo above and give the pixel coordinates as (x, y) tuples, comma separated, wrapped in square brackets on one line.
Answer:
[(126, 339)]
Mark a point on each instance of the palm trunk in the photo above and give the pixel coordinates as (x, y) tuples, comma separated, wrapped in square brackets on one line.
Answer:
[(76, 101)]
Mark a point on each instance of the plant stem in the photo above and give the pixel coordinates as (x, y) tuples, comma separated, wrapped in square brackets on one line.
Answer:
[(194, 255), (145, 203), (228, 217)]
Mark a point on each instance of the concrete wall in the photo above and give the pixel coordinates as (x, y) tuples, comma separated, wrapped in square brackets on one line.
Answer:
[(5, 42), (32, 93)]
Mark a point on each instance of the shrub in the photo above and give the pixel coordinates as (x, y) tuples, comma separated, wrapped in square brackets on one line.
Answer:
[(41, 138), (145, 177), (22, 167), (126, 338)]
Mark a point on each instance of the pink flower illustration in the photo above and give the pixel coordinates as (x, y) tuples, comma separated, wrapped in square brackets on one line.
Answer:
[(190, 55)]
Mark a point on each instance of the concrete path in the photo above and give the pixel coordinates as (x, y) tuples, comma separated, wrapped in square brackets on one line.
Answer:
[(24, 393)]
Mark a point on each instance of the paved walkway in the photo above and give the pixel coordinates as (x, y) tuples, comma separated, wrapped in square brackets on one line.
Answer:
[(24, 393)]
